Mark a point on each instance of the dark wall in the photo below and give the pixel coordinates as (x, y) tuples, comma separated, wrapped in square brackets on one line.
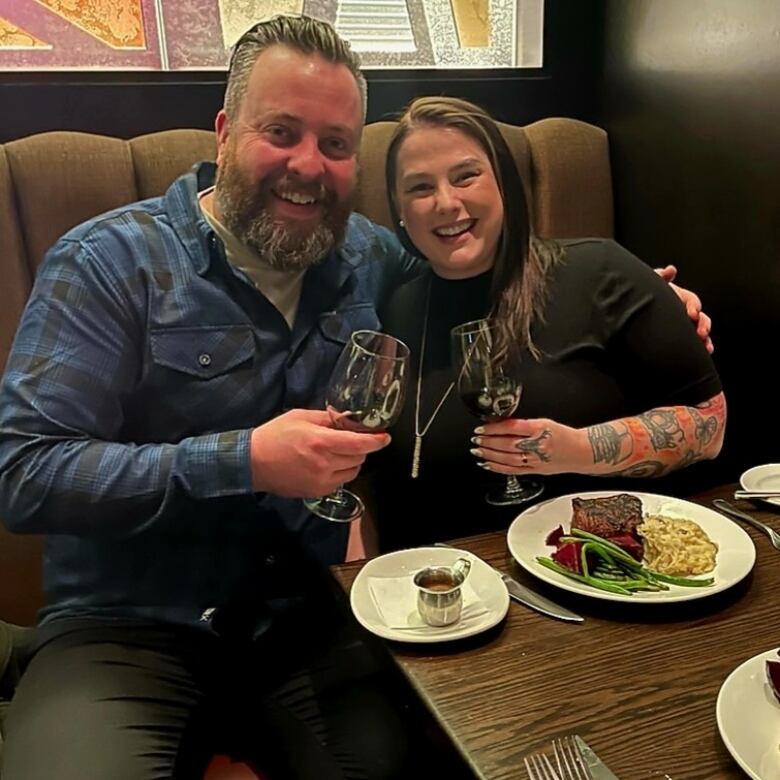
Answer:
[(130, 104), (691, 100)]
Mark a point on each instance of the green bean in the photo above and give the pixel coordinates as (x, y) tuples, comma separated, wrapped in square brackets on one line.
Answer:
[(593, 581), (616, 570)]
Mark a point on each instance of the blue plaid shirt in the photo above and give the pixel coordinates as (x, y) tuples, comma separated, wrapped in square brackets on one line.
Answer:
[(141, 363)]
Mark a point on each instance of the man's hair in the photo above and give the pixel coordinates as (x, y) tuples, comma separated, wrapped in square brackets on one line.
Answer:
[(301, 33)]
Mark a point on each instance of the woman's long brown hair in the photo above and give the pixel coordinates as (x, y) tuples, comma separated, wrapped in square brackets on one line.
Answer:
[(522, 263)]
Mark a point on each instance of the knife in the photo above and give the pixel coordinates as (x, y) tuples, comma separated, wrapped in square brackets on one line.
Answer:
[(529, 598), (597, 769), (757, 494)]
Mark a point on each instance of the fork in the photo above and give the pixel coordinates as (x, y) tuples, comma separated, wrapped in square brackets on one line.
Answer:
[(568, 763), (569, 760), (728, 509), (539, 767)]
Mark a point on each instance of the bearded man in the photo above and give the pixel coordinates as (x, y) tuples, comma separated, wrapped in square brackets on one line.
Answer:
[(158, 424)]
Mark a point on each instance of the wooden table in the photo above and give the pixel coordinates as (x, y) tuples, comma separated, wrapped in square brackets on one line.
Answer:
[(639, 683)]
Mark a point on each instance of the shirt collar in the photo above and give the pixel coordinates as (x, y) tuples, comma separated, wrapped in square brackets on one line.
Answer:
[(181, 204)]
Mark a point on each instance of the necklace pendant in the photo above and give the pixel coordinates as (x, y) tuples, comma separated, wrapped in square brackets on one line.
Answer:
[(416, 456)]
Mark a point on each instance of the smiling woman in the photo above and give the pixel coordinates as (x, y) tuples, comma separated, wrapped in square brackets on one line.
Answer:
[(615, 382), (447, 175)]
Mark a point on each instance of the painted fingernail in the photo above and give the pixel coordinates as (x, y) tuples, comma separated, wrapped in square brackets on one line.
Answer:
[(484, 465), (475, 451), (479, 430), (476, 440)]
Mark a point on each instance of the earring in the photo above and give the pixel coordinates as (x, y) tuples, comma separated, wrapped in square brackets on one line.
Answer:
[(400, 223)]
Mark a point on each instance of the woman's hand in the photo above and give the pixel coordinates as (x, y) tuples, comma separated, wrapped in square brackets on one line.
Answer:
[(538, 446)]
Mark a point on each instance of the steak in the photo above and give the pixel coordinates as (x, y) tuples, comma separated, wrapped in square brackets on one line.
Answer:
[(609, 516)]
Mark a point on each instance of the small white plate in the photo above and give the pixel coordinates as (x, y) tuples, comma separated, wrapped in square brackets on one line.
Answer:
[(484, 581), (766, 477), (736, 553), (749, 718)]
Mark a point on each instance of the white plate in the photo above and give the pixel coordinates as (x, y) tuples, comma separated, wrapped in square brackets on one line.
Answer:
[(484, 581), (736, 552), (765, 477), (749, 718)]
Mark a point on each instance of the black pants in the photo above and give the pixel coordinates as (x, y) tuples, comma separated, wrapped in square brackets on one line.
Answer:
[(102, 701)]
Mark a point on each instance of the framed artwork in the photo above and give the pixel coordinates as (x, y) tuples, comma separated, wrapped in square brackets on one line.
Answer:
[(175, 35)]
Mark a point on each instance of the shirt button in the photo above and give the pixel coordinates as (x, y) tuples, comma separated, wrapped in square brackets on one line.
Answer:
[(204, 359)]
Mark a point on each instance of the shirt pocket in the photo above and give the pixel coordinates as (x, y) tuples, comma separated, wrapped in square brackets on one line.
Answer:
[(203, 352)]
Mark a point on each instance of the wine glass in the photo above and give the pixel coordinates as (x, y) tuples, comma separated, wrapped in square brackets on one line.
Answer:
[(487, 367), (365, 393)]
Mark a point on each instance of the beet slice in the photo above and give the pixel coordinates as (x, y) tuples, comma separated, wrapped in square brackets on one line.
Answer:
[(555, 536), (568, 555), (773, 677)]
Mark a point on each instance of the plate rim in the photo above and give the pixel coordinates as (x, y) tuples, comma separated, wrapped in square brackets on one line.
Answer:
[(559, 581), (719, 705), (395, 635)]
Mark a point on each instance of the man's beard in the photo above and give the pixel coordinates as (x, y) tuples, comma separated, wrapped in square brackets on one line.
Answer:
[(280, 244)]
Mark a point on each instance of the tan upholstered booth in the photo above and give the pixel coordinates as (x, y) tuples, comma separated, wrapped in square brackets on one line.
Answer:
[(53, 181)]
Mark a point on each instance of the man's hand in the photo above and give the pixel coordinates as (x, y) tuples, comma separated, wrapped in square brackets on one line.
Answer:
[(300, 455), (692, 305)]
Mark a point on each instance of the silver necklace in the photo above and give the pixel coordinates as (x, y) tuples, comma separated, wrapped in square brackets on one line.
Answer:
[(418, 432)]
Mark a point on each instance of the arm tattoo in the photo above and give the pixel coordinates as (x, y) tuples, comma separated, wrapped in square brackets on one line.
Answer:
[(660, 440), (664, 428), (690, 457), (705, 428), (607, 441), (534, 445), (644, 470)]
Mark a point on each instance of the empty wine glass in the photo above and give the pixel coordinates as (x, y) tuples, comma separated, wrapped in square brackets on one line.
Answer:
[(487, 367), (365, 393)]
